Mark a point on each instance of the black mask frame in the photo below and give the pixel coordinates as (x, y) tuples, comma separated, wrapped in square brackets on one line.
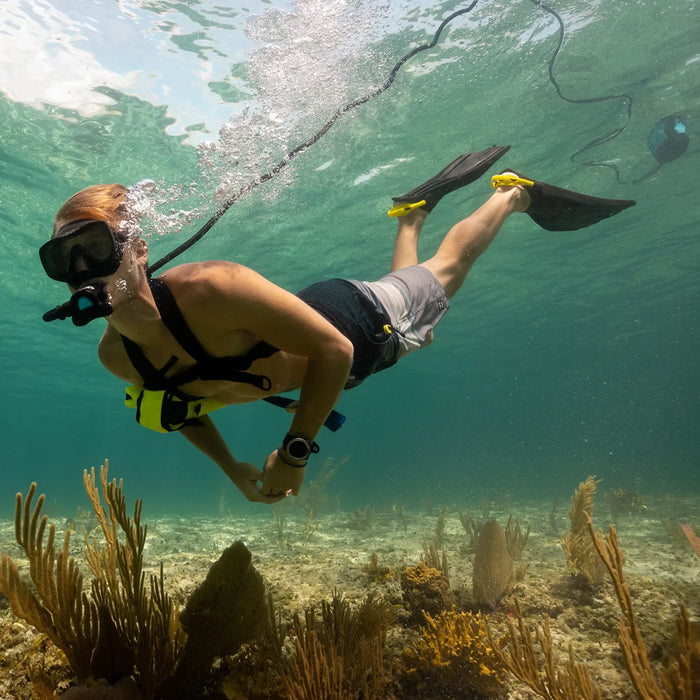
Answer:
[(82, 250)]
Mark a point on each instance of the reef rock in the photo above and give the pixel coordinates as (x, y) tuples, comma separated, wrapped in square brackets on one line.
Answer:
[(425, 589)]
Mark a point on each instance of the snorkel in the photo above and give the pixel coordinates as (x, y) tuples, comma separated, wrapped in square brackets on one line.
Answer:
[(85, 305)]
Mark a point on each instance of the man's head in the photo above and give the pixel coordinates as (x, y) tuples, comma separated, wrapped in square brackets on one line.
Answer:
[(90, 250), (97, 202), (88, 240)]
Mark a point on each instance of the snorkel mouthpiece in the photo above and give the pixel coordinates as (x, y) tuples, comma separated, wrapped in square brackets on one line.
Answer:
[(88, 303)]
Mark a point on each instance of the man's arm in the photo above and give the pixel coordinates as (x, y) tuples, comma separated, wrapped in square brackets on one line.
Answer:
[(207, 439), (323, 382), (250, 302), (287, 323)]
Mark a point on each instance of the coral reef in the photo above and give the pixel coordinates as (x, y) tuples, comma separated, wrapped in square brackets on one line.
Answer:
[(342, 655), (492, 575), (563, 645), (279, 513), (516, 539), (539, 670), (71, 626), (439, 534), (552, 518), (692, 538), (142, 626), (624, 502), (37, 666), (83, 521), (434, 560), (454, 652), (674, 683), (576, 542), (122, 628), (254, 671), (376, 573), (472, 528), (425, 589), (400, 513), (125, 689), (228, 609), (337, 656)]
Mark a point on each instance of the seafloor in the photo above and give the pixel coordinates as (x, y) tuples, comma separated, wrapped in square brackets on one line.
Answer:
[(303, 560)]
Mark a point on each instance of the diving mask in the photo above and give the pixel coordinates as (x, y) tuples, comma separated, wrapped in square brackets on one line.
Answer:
[(82, 250)]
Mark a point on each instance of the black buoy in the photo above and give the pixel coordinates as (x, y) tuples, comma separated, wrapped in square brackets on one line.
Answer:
[(668, 138)]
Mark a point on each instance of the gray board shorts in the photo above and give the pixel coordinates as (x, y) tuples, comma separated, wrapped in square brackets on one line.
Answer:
[(414, 302), (411, 301)]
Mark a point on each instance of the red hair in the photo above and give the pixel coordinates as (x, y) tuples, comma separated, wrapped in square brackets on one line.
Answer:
[(99, 202)]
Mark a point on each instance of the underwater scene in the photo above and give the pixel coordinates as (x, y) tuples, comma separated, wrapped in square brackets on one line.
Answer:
[(513, 511)]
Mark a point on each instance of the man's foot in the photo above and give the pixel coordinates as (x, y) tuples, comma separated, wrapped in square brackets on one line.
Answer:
[(521, 197), (415, 217), (458, 173)]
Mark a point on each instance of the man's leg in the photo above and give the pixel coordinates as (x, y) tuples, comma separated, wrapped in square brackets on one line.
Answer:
[(465, 241), (406, 245), (459, 173)]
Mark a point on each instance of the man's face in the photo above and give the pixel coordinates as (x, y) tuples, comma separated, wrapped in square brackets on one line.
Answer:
[(90, 252)]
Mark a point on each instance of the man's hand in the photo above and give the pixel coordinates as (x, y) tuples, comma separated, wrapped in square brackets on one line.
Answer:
[(246, 476), (205, 437), (280, 478)]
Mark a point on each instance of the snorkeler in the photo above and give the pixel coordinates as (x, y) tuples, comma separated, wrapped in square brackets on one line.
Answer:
[(205, 335)]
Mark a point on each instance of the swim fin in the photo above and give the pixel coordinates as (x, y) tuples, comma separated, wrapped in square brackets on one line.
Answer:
[(557, 209), (458, 173)]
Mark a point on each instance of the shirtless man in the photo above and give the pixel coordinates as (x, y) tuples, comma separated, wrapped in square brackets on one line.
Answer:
[(253, 339)]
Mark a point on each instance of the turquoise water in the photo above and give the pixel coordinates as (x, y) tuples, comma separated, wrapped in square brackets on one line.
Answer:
[(564, 355)]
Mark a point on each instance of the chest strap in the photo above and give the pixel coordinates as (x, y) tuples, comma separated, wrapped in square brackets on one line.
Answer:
[(170, 396), (208, 367)]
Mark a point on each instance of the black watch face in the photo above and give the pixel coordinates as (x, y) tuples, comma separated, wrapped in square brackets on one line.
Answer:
[(298, 448)]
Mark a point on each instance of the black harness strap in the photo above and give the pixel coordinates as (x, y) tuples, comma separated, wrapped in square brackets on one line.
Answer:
[(230, 368), (174, 320), (153, 379), (208, 366)]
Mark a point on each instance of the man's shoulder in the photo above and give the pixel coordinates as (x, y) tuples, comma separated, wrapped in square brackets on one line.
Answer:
[(203, 272), (208, 280), (211, 288)]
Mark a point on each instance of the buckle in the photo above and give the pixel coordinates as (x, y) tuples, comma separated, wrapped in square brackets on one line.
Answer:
[(405, 208)]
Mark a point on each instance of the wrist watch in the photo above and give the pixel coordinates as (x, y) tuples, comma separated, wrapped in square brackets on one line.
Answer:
[(295, 450)]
